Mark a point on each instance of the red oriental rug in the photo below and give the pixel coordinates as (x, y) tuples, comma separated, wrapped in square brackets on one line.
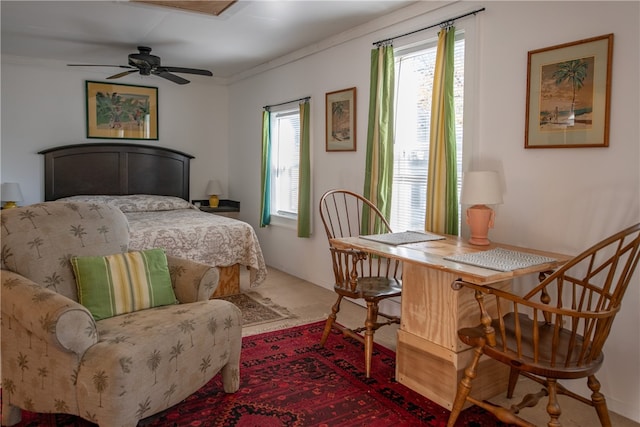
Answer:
[(289, 380)]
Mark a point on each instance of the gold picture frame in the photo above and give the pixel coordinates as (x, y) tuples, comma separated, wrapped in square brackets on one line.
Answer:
[(117, 111), (341, 120), (569, 94)]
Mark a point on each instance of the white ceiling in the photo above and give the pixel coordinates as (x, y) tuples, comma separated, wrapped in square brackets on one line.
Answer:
[(246, 35)]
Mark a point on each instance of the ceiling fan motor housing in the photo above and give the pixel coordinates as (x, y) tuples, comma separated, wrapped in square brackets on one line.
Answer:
[(144, 60)]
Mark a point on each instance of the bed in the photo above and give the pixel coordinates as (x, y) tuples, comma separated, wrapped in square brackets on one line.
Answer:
[(151, 186)]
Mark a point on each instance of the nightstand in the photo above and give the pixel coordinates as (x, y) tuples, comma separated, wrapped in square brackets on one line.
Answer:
[(228, 208)]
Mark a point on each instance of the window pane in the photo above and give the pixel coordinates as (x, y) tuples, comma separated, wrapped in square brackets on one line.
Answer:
[(285, 156), (414, 85)]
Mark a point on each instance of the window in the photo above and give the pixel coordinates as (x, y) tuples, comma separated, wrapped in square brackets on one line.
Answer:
[(414, 83), (285, 162)]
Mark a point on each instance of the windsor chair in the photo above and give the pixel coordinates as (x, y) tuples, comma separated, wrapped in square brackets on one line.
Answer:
[(358, 275), (555, 332)]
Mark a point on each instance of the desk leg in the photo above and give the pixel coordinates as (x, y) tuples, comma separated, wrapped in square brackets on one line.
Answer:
[(430, 357)]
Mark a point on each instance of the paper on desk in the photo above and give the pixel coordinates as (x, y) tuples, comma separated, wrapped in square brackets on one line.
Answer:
[(403, 238)]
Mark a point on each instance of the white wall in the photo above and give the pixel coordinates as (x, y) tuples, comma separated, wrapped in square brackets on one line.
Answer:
[(555, 199), (43, 106)]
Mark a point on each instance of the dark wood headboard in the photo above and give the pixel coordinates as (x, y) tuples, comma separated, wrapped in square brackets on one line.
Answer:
[(115, 169)]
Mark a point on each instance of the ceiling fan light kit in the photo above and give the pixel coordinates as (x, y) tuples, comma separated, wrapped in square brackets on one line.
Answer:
[(147, 64)]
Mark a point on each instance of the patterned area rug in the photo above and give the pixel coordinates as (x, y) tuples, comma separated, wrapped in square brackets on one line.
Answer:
[(287, 379), (256, 309)]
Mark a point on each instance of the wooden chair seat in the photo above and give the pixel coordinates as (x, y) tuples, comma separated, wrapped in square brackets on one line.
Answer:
[(372, 289), (568, 347)]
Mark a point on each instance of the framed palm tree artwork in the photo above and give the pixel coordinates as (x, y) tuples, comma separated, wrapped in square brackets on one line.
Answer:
[(117, 111), (341, 120), (569, 94)]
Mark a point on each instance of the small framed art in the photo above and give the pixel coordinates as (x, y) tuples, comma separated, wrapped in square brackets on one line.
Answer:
[(341, 120), (116, 111), (568, 94)]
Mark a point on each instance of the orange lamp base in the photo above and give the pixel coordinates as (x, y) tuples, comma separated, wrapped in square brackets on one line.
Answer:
[(480, 219)]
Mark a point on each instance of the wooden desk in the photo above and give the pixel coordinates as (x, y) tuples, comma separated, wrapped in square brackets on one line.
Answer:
[(430, 359)]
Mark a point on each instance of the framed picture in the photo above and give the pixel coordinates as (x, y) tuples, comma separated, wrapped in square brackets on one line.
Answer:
[(116, 111), (341, 120), (568, 94)]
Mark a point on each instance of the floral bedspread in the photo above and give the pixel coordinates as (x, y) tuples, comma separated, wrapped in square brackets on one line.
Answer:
[(186, 232)]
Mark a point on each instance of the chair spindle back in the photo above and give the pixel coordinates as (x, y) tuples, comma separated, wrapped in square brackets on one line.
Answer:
[(343, 214), (565, 320)]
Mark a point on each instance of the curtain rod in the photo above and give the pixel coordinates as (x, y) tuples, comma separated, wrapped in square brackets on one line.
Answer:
[(446, 21), (306, 98)]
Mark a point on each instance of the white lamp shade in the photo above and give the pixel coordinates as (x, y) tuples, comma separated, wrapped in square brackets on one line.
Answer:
[(481, 188), (214, 188), (11, 192)]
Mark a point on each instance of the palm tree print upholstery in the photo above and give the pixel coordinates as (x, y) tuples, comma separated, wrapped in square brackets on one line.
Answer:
[(56, 358)]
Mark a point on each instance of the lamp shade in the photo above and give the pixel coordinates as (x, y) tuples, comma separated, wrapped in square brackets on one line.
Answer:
[(481, 188), (11, 192), (214, 189)]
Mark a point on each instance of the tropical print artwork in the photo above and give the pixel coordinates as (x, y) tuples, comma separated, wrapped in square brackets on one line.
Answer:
[(340, 125), (566, 94), (121, 110)]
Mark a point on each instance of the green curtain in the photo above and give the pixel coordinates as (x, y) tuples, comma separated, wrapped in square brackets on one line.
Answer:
[(265, 202), (379, 160), (442, 193), (304, 174)]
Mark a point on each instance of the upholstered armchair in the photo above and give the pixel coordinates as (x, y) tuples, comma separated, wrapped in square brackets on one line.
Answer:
[(58, 358)]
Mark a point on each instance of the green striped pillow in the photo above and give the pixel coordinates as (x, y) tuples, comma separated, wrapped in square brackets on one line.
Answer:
[(123, 283)]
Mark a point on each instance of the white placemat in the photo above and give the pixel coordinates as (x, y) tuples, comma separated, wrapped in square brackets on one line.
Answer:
[(402, 238), (500, 259)]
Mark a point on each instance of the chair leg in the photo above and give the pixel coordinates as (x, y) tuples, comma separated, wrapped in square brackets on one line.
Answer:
[(599, 402), (464, 387), (514, 374), (370, 322), (330, 321), (553, 407)]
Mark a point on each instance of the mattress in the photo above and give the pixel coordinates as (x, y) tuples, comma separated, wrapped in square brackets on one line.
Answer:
[(184, 231)]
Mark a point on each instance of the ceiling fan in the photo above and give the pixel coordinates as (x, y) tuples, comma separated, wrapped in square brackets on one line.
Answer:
[(146, 64)]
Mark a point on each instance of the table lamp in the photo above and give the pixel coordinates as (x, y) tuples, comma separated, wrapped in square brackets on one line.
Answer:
[(11, 194), (480, 188), (213, 191)]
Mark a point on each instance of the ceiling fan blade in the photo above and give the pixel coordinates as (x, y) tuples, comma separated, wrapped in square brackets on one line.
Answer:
[(172, 77), (97, 65), (146, 64), (122, 74), (186, 70)]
